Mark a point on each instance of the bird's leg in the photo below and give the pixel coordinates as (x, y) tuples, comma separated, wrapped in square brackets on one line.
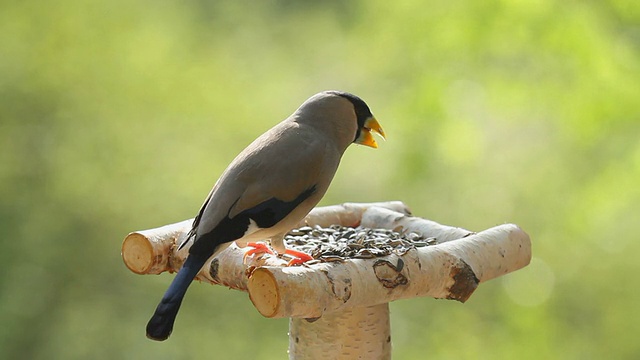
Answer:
[(299, 257)]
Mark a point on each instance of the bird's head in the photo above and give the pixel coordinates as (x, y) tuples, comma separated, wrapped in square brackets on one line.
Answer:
[(347, 114), (366, 121)]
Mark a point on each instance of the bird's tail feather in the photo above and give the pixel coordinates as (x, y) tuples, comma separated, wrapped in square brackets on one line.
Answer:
[(161, 323)]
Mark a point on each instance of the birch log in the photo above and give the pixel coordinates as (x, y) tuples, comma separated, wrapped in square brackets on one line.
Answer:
[(357, 333), (451, 270), (378, 217), (340, 309), (156, 250)]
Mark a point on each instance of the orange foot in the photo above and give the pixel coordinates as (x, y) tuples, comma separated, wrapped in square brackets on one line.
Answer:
[(298, 257), (258, 248)]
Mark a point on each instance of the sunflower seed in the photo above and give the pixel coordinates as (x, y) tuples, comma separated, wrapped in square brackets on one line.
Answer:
[(336, 242)]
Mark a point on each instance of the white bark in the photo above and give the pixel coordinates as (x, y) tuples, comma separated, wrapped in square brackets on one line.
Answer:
[(348, 214), (451, 270), (357, 333), (378, 217)]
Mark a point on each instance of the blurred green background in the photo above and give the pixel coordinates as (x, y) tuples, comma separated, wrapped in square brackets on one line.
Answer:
[(118, 116)]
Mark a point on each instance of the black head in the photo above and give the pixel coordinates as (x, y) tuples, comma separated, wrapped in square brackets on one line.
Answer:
[(361, 108)]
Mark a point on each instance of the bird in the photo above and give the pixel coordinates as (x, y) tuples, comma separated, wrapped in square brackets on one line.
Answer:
[(270, 187)]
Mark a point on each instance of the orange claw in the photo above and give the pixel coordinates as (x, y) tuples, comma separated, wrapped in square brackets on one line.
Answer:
[(258, 247), (299, 257)]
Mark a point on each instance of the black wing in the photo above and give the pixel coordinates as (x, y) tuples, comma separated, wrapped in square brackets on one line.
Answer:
[(265, 215)]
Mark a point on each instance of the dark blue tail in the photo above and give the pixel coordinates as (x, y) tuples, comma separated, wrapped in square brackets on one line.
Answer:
[(161, 323)]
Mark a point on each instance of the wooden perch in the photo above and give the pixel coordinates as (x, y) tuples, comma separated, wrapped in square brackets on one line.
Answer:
[(155, 251), (451, 270), (388, 219), (339, 309)]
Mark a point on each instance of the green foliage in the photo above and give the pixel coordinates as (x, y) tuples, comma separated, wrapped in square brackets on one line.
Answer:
[(116, 116)]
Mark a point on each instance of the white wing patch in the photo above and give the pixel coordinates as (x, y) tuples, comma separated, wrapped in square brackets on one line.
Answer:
[(253, 227)]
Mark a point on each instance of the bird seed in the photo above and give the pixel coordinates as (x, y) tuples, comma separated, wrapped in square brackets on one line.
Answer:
[(338, 243)]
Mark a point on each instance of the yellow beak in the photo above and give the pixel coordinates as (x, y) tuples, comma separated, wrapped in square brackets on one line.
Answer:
[(365, 138)]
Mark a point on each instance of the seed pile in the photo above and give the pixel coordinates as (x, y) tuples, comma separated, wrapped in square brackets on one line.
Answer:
[(336, 242)]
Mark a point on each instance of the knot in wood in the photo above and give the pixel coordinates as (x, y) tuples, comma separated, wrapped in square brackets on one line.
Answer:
[(389, 275)]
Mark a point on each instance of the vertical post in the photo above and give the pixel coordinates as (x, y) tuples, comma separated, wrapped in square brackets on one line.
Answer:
[(355, 333)]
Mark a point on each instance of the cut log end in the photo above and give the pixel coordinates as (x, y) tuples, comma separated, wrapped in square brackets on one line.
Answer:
[(265, 295), (465, 282), (137, 253)]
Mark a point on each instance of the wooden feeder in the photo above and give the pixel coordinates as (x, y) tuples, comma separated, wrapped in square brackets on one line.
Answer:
[(338, 307)]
